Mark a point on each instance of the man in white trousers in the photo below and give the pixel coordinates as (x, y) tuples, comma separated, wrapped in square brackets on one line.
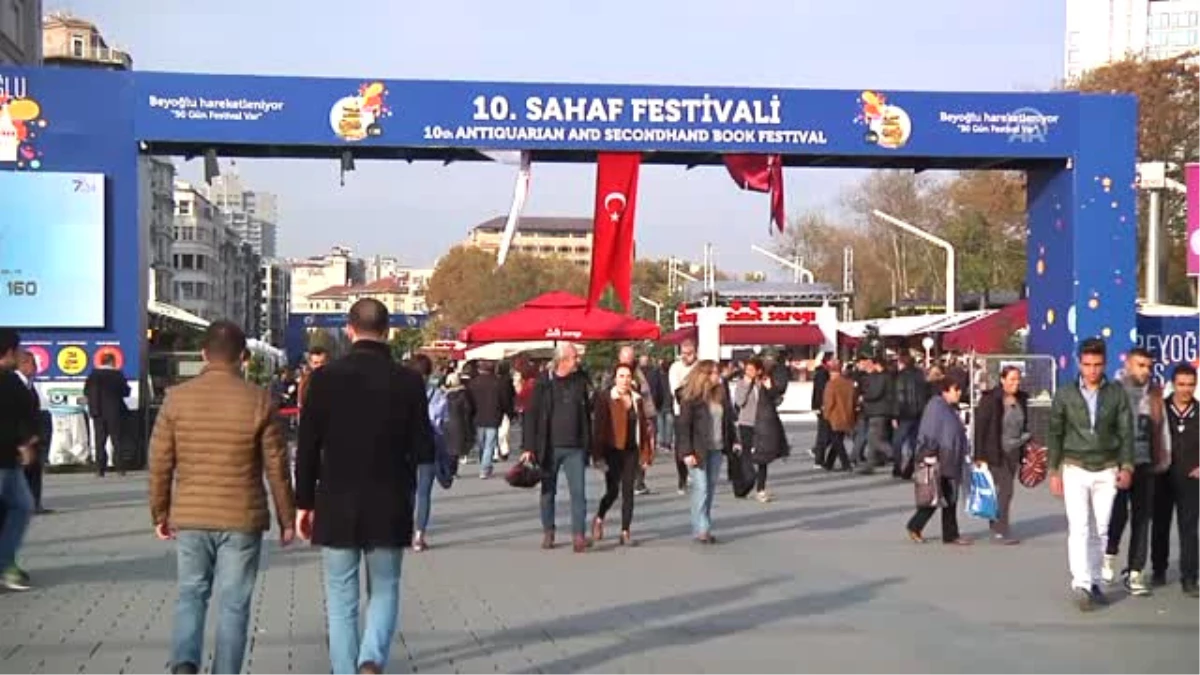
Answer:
[(1090, 447)]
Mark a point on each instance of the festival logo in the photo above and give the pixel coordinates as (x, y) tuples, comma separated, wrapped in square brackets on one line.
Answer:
[(20, 124), (72, 360), (888, 125), (353, 118)]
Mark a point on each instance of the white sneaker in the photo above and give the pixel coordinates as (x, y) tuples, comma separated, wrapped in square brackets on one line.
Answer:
[(763, 497), (1136, 583), (1108, 571)]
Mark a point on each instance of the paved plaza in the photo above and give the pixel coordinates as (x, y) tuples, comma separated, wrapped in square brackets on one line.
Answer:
[(822, 579)]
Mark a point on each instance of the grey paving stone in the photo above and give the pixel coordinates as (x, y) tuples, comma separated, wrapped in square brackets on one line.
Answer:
[(821, 580)]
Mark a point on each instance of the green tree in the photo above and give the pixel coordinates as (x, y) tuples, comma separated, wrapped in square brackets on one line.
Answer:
[(985, 219), (405, 342)]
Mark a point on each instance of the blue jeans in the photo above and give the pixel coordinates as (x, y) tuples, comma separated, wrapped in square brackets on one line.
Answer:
[(704, 486), (346, 652), (232, 558), (487, 440), (666, 428), (425, 476), (571, 462), (18, 507)]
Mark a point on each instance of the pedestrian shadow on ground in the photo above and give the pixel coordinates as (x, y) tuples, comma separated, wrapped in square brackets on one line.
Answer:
[(1042, 526), (140, 569), (681, 619), (94, 501)]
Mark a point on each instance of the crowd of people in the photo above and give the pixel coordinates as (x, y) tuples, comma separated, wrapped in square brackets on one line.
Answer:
[(374, 436)]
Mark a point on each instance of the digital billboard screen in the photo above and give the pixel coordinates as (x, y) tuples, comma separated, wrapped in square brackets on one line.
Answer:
[(52, 253)]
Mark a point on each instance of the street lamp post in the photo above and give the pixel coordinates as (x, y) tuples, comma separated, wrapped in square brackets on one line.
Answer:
[(657, 308), (938, 241), (800, 273)]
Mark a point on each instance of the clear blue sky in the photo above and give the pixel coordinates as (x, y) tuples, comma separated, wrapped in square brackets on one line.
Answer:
[(416, 211)]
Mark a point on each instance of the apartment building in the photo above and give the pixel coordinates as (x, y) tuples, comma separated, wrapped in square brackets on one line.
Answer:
[(216, 274), (311, 275), (1103, 31), (69, 41), (253, 214), (20, 32), (275, 281), (541, 236), (156, 214)]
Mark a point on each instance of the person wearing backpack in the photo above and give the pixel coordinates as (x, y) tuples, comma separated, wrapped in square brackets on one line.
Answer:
[(910, 397)]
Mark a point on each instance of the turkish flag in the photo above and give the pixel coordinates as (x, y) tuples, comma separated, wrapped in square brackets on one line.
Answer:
[(760, 173), (612, 226)]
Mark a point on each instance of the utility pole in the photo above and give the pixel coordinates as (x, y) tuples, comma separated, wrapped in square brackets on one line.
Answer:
[(938, 241)]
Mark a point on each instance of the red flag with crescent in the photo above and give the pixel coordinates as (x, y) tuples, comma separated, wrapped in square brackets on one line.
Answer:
[(612, 226), (760, 173)]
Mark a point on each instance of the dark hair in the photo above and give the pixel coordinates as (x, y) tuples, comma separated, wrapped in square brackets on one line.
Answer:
[(369, 317), (907, 359), (1093, 346), (946, 384), (1140, 352), (317, 350), (108, 359), (617, 368), (224, 341), (1009, 369), (422, 364), (756, 362), (1183, 369), (9, 340), (826, 357)]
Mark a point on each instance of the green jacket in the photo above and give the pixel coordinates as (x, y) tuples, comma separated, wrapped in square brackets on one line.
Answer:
[(1073, 441)]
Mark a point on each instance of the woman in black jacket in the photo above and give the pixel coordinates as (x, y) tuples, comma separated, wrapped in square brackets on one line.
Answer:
[(1001, 433), (706, 433)]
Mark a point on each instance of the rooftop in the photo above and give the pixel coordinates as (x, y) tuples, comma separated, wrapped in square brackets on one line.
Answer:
[(538, 224)]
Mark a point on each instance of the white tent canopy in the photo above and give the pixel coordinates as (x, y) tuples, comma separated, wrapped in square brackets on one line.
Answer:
[(904, 326), (172, 312)]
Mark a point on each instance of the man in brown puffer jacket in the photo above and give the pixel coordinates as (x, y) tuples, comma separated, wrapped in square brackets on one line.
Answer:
[(214, 438)]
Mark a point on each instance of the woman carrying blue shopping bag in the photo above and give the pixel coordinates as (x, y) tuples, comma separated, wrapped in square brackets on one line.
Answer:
[(942, 439)]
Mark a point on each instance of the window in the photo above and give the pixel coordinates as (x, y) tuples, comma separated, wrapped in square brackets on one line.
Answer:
[(78, 46), (1179, 19), (1158, 38), (1182, 38), (1073, 56), (1073, 38), (18, 32), (1162, 20), (185, 208)]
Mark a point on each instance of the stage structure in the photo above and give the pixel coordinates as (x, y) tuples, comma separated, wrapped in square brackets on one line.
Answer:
[(1078, 151)]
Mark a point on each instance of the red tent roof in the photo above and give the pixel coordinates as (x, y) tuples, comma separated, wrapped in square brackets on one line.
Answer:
[(559, 316), (988, 334)]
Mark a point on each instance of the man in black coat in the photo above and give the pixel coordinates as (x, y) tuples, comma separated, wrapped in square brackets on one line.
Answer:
[(18, 434), (820, 379), (558, 435), (364, 430), (26, 369), (105, 391), (910, 393)]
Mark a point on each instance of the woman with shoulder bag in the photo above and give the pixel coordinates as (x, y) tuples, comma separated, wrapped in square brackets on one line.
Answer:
[(1001, 434), (706, 433), (942, 438), (623, 442)]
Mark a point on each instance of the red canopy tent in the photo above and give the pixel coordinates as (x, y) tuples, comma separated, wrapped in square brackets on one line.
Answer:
[(988, 334), (558, 316)]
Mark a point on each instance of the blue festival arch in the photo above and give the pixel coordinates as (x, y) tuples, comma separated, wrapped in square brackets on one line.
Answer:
[(1078, 151)]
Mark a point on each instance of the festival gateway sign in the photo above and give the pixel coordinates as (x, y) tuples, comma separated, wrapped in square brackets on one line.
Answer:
[(197, 108)]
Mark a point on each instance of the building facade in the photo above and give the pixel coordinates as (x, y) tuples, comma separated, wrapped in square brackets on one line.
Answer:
[(72, 42), (274, 299), (20, 32), (541, 236), (252, 214), (216, 274), (157, 214), (311, 275), (1103, 31)]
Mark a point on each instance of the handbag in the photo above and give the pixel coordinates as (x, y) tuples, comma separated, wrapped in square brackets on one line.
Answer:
[(927, 483), (1034, 465), (524, 475)]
